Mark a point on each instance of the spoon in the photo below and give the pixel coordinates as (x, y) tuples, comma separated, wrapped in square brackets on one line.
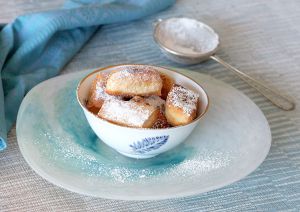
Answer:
[(189, 41)]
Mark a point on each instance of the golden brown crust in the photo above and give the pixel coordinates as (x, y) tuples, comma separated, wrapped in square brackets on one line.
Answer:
[(151, 120), (168, 83), (177, 117), (161, 122), (93, 109), (130, 94), (138, 99), (181, 106), (134, 82), (96, 96)]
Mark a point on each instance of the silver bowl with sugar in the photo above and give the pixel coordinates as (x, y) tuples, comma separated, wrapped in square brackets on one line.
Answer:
[(185, 40), (189, 41)]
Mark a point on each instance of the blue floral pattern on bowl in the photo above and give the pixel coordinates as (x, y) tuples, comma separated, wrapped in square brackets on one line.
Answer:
[(149, 144)]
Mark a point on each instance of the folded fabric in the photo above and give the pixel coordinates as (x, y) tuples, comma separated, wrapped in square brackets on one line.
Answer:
[(36, 46)]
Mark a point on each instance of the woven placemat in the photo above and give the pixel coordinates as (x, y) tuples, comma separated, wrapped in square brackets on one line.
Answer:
[(259, 37)]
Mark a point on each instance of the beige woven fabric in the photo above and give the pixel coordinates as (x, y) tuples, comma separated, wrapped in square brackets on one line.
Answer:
[(262, 38)]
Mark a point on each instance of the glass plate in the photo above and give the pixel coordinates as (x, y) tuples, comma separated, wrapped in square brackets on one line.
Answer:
[(55, 139)]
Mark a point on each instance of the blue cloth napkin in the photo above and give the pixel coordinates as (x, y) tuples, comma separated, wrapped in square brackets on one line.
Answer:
[(36, 46)]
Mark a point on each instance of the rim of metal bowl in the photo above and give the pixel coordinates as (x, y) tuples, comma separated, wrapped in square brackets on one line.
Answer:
[(180, 54)]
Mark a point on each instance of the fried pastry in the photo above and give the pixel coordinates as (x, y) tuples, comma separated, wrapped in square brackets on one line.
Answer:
[(155, 101), (129, 113), (181, 105), (142, 81), (168, 83), (97, 93), (161, 122)]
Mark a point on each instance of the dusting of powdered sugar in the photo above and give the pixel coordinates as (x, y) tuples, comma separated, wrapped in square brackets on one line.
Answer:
[(156, 101), (183, 98), (97, 92), (161, 122), (100, 81), (126, 112), (100, 93), (201, 164), (187, 36), (143, 73)]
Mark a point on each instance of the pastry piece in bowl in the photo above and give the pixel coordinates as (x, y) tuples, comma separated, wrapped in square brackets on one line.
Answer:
[(155, 101), (97, 94), (181, 105), (129, 113), (161, 122), (168, 83), (142, 124), (134, 81)]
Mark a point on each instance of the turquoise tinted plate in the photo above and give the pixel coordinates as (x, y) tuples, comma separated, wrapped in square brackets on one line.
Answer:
[(58, 144)]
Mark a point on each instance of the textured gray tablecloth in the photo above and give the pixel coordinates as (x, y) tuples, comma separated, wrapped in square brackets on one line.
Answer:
[(262, 38)]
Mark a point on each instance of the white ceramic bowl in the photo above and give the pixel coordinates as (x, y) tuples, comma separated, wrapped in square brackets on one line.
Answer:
[(140, 142)]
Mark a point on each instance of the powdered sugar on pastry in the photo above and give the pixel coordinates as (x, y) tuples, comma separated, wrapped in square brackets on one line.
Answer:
[(97, 91), (161, 122), (135, 81), (101, 94), (156, 101), (183, 98), (144, 74), (127, 113)]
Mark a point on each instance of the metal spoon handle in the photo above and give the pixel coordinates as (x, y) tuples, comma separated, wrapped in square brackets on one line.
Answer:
[(274, 96)]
